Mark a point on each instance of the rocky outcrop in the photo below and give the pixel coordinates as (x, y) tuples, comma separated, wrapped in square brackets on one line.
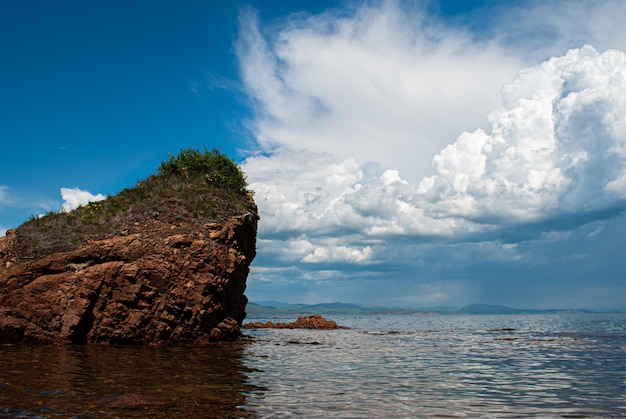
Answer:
[(154, 282), (313, 321)]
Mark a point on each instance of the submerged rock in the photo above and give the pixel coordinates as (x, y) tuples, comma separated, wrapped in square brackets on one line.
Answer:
[(132, 401), (313, 321)]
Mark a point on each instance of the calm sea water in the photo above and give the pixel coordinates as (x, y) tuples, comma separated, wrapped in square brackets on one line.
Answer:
[(565, 365)]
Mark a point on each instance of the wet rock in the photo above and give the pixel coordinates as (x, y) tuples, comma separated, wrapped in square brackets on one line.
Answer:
[(313, 321)]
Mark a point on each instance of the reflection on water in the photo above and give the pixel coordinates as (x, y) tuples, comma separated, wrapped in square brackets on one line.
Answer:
[(561, 366), (123, 381)]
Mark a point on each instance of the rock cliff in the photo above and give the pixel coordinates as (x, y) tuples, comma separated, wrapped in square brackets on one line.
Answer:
[(158, 274)]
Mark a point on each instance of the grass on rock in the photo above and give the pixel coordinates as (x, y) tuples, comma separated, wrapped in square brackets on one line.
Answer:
[(190, 189)]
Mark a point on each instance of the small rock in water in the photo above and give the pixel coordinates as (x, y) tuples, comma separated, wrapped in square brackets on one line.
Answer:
[(313, 321)]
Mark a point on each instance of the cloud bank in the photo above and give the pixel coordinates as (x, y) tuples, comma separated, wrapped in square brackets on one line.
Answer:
[(392, 145), (556, 150), (74, 198)]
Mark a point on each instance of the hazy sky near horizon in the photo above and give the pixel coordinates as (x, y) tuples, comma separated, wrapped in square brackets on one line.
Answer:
[(402, 153)]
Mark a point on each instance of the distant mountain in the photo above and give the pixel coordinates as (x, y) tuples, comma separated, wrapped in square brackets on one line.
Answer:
[(253, 309), (337, 307), (276, 308), (487, 309), (438, 308), (271, 303), (263, 309), (260, 308)]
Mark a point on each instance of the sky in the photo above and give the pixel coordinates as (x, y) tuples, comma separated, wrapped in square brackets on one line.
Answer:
[(403, 153)]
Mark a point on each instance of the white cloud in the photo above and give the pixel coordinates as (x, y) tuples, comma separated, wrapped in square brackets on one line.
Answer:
[(368, 84), (302, 191), (391, 144), (74, 198), (330, 250), (556, 150)]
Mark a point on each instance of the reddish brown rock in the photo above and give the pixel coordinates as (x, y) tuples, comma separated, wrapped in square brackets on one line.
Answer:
[(313, 321), (151, 283)]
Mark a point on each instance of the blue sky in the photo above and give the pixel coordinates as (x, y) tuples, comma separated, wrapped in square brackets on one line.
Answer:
[(403, 153)]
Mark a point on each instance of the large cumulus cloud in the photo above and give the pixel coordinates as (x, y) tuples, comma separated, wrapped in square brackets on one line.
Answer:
[(555, 151), (390, 145), (378, 78)]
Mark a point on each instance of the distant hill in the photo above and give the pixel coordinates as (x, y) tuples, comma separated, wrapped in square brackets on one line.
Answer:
[(270, 303), (487, 309), (276, 308)]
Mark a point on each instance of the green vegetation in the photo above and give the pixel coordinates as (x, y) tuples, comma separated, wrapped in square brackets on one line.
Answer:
[(188, 190), (217, 168)]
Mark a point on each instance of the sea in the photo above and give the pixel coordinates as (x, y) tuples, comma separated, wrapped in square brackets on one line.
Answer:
[(565, 365)]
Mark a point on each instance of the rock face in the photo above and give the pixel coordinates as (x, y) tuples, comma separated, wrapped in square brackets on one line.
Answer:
[(152, 283), (313, 321)]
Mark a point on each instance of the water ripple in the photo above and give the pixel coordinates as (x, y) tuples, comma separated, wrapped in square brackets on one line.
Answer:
[(459, 367), (561, 366)]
